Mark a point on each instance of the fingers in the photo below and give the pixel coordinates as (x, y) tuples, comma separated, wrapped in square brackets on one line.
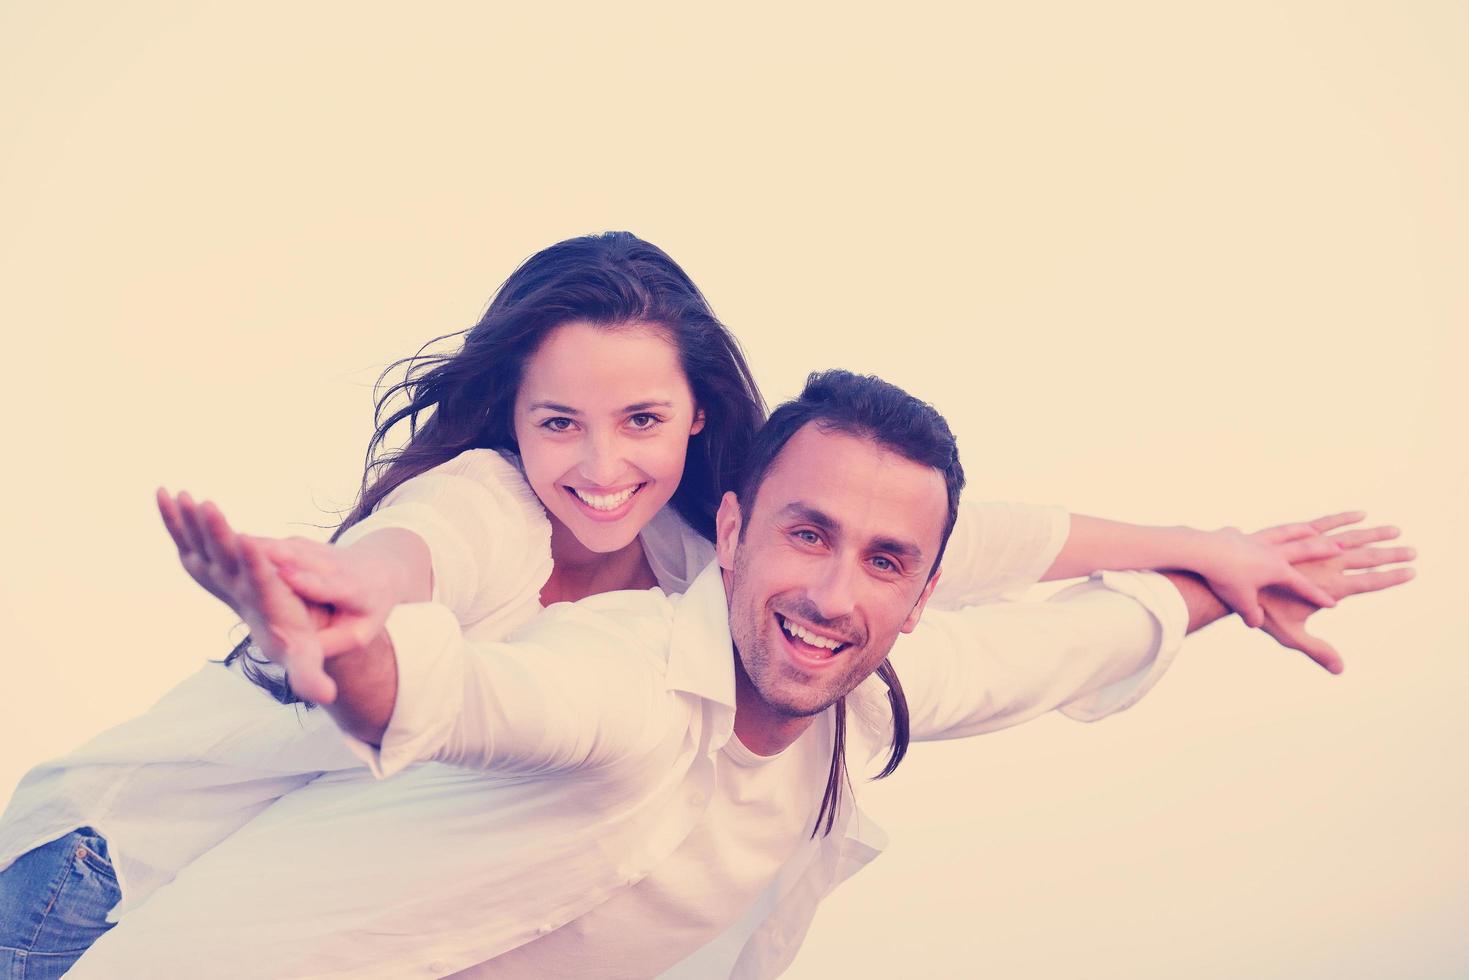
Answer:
[(1308, 590), (306, 674), (304, 554), (255, 561), (309, 584), (1246, 603), (172, 521), (1282, 533), (1373, 557), (220, 538), (1377, 581), (1368, 535), (1321, 652), (1304, 529), (1309, 549), (193, 527), (1333, 521), (346, 636), (184, 507), (1293, 636)]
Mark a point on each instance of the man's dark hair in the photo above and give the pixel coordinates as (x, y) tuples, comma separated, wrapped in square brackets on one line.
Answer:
[(865, 406), (870, 408)]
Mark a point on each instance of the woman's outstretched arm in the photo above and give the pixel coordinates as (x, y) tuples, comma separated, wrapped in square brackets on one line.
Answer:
[(1237, 566), (263, 580)]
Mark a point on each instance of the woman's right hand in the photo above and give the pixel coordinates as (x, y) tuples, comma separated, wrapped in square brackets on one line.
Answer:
[(237, 570)]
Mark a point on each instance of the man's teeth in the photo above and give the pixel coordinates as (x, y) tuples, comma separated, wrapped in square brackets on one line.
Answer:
[(610, 501), (808, 637)]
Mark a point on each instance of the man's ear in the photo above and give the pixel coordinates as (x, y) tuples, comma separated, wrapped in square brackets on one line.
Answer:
[(727, 530), (917, 610)]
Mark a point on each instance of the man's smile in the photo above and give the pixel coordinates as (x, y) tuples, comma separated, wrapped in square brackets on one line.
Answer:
[(809, 648)]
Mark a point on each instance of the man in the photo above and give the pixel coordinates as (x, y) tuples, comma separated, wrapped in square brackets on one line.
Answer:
[(671, 772)]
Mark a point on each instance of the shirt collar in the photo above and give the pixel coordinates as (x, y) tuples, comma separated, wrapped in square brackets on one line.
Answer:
[(701, 655)]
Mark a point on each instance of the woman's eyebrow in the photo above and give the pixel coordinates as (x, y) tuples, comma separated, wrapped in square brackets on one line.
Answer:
[(568, 410)]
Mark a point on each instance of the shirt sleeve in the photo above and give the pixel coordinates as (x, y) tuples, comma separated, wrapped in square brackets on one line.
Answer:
[(1092, 649), (486, 532), (997, 551), (578, 691)]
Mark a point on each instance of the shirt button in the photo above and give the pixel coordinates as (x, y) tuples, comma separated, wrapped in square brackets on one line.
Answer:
[(438, 968), (697, 799), (545, 928)]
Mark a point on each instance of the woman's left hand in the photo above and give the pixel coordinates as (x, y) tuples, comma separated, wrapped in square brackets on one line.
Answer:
[(1238, 565)]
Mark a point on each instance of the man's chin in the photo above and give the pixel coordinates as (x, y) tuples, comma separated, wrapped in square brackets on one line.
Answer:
[(795, 705)]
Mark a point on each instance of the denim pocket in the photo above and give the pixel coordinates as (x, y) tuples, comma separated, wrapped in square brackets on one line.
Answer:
[(54, 901), (91, 850)]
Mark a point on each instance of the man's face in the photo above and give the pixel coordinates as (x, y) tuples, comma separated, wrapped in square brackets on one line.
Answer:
[(831, 566)]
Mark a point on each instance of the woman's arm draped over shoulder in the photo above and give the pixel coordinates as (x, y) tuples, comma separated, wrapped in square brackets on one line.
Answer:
[(486, 536), (997, 551), (469, 532)]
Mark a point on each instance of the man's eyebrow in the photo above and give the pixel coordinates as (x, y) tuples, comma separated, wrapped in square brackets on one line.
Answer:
[(805, 512), (901, 549)]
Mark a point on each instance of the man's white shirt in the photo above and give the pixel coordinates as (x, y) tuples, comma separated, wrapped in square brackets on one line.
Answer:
[(216, 751), (612, 794)]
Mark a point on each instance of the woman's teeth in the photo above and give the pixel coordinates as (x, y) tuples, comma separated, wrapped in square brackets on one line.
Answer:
[(810, 638), (610, 501)]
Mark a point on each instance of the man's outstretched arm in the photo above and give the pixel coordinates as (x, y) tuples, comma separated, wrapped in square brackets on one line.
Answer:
[(1090, 652), (367, 689)]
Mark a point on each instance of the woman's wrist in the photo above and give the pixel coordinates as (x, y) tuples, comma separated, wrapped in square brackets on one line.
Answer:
[(1187, 548)]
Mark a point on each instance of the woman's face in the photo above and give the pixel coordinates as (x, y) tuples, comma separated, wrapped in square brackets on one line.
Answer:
[(603, 418)]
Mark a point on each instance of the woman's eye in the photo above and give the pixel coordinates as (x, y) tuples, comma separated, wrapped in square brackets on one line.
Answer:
[(557, 424), (643, 420)]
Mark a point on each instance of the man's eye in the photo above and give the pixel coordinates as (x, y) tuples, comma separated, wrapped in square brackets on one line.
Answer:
[(644, 420), (810, 537), (884, 564), (558, 424)]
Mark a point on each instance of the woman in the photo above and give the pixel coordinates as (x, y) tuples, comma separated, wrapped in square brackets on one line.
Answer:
[(575, 444)]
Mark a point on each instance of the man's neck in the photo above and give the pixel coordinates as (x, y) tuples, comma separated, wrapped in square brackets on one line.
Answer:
[(758, 727)]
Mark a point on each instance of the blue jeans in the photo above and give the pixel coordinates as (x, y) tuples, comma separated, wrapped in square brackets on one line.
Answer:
[(54, 902)]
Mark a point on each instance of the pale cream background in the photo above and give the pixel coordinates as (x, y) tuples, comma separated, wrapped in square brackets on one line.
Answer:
[(1156, 261)]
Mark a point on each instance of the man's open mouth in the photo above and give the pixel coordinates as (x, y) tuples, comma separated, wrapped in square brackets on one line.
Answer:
[(808, 642)]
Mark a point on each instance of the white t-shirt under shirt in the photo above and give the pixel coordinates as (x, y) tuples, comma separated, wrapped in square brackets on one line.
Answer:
[(169, 785), (749, 831)]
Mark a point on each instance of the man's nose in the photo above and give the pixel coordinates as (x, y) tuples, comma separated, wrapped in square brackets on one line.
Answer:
[(833, 593)]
